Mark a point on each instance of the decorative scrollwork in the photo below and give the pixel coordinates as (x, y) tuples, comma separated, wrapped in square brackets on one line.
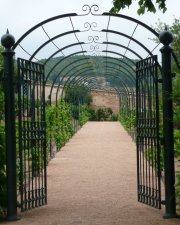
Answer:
[(94, 48), (95, 54), (94, 39), (89, 26), (90, 9)]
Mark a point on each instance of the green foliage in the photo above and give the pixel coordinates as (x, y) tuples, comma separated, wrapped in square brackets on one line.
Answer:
[(102, 114), (84, 114), (128, 119), (143, 5), (59, 123), (78, 95)]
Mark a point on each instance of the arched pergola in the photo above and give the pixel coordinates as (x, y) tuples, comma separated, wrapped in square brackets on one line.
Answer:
[(72, 50)]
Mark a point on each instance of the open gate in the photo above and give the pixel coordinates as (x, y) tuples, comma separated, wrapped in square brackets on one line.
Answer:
[(148, 143), (32, 134)]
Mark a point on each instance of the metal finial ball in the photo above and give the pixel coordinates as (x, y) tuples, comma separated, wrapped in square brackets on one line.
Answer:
[(7, 40), (166, 37)]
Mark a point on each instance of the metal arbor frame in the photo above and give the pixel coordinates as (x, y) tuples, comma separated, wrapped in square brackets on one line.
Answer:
[(117, 64)]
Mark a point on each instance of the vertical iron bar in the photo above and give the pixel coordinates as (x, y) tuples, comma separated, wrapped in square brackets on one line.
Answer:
[(7, 41), (166, 38)]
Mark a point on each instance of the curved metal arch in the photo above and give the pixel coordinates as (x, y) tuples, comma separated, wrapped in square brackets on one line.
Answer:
[(75, 14), (75, 53), (52, 86), (67, 67), (125, 92), (126, 82), (122, 46), (129, 37), (59, 50), (122, 72), (96, 85), (120, 61), (115, 75), (121, 67), (104, 75), (117, 53), (59, 82), (93, 86), (62, 78), (79, 73), (61, 61), (132, 78), (52, 39), (133, 20), (40, 24)]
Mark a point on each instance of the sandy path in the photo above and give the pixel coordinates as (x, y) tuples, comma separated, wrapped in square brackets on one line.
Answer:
[(92, 181)]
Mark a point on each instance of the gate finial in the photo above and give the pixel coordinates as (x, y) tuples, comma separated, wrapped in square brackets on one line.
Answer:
[(7, 40), (165, 37)]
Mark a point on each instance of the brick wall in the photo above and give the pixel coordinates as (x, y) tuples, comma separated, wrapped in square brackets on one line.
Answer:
[(105, 99)]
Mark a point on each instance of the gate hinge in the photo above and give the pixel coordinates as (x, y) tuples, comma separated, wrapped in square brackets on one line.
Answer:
[(161, 139), (160, 80)]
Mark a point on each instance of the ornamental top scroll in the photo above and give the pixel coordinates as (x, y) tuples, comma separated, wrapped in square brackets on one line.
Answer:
[(92, 10)]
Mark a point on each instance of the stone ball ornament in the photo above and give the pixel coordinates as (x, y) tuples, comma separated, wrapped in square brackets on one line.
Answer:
[(166, 37), (7, 40)]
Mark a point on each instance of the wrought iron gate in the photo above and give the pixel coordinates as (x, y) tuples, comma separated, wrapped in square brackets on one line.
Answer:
[(32, 134), (148, 144)]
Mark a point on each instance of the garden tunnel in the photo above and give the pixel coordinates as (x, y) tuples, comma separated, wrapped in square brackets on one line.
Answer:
[(99, 51)]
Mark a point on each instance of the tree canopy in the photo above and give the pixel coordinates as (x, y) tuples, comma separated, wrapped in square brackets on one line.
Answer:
[(143, 5)]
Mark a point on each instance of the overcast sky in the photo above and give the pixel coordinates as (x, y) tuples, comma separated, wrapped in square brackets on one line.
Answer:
[(23, 14), (20, 15)]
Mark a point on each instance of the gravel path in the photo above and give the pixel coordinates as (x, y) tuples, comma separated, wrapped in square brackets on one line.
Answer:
[(92, 181)]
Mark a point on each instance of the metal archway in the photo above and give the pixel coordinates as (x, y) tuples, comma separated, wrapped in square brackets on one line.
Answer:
[(104, 43)]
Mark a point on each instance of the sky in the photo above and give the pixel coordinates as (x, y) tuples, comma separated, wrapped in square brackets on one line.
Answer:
[(23, 14)]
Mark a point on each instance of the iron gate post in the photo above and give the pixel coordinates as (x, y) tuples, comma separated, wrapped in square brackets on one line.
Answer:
[(166, 38), (7, 41)]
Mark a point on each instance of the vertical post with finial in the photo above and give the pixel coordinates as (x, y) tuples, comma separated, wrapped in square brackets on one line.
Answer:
[(166, 38), (7, 42)]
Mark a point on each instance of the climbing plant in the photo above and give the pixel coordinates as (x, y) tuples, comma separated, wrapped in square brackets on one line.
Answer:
[(84, 114), (59, 123)]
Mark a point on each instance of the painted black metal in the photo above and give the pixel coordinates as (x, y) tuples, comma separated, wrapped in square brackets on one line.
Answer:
[(59, 50), (32, 134), (121, 55), (50, 40), (169, 169), (7, 41), (147, 108), (77, 73), (39, 25), (121, 62), (75, 53), (148, 141), (130, 38), (134, 20), (70, 70), (122, 46), (120, 81), (67, 73)]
